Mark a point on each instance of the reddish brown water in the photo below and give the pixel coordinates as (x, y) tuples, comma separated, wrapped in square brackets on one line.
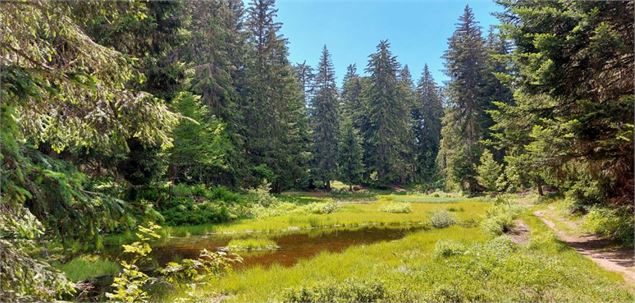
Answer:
[(293, 247)]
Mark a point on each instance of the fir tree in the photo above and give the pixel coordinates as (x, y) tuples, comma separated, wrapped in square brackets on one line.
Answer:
[(488, 171), (276, 134), (351, 166), (466, 62), (325, 121), (427, 114), (387, 132)]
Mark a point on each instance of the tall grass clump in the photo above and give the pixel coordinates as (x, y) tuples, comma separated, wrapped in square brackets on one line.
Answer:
[(256, 244), (350, 290), (616, 224), (88, 266), (397, 208)]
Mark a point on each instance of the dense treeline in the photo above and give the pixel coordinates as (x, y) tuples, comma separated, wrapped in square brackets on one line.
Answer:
[(106, 103)]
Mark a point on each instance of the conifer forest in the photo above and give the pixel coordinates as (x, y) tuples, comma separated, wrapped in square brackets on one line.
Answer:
[(171, 151)]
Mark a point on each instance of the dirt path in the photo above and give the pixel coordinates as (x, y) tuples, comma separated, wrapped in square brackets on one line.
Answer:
[(520, 232), (599, 250)]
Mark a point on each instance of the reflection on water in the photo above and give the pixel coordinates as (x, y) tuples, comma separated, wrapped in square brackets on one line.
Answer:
[(293, 247)]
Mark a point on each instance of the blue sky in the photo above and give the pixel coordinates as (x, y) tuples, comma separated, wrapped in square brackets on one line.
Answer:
[(351, 29)]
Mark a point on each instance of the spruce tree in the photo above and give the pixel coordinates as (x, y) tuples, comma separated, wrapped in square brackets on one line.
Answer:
[(276, 130), (351, 166), (351, 102), (215, 52), (325, 121), (427, 114), (201, 147), (388, 115), (575, 76), (488, 171), (466, 63)]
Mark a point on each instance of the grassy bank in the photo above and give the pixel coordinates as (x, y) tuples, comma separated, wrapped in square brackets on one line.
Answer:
[(439, 265)]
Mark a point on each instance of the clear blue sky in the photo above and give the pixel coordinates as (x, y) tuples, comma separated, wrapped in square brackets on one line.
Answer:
[(351, 29)]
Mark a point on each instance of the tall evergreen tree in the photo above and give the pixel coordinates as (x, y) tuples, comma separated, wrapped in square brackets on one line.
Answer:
[(305, 75), (325, 121), (574, 75), (466, 63), (351, 102), (427, 114), (215, 51), (408, 98), (276, 132), (351, 166), (388, 115)]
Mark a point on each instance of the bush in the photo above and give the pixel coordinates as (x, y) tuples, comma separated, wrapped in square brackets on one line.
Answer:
[(442, 219), (500, 219), (262, 195), (327, 207), (447, 248), (615, 224), (346, 291), (397, 208)]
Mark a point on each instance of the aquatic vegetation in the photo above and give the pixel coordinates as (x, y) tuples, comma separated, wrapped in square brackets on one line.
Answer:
[(252, 244)]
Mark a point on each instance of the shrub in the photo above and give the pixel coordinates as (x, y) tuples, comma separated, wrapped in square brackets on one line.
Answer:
[(347, 291), (262, 195), (397, 208), (447, 248), (442, 219), (615, 224), (327, 207), (500, 219)]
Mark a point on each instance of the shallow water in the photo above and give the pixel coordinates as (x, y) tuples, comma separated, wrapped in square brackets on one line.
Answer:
[(293, 247)]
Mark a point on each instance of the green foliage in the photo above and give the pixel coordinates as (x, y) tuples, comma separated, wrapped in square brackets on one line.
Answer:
[(397, 208), (427, 114), (325, 121), (199, 270), (201, 146), (464, 123), (442, 219), (612, 223), (570, 63), (128, 285), (500, 218), (350, 155), (88, 266), (351, 290), (25, 279), (183, 204), (448, 248), (387, 136), (489, 171), (262, 195)]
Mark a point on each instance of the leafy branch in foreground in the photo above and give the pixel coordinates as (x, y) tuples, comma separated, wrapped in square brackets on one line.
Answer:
[(131, 284)]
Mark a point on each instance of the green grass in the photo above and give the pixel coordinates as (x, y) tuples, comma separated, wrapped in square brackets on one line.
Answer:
[(88, 266), (252, 244), (352, 215), (440, 265)]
